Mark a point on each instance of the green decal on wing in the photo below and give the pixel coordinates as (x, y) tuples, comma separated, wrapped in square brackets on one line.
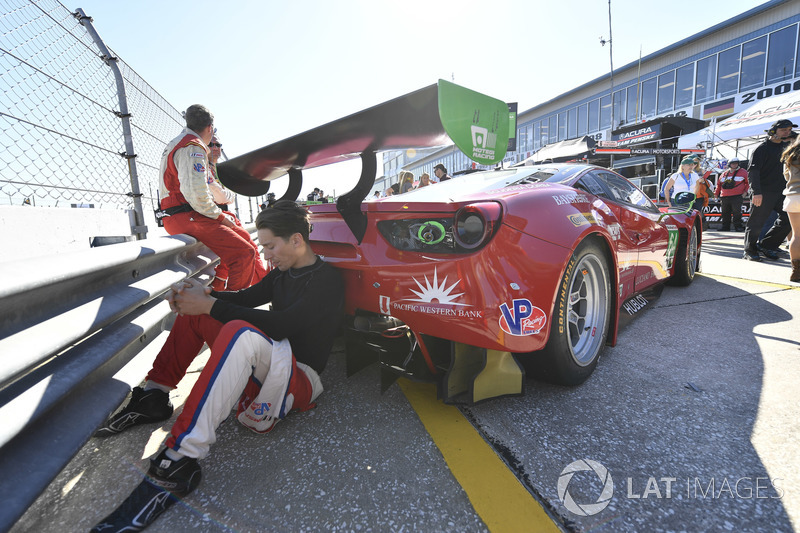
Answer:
[(477, 124)]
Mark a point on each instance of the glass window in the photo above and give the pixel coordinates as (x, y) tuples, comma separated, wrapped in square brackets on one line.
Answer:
[(537, 135), (797, 60), (553, 130), (684, 84), (705, 81), (624, 191), (605, 112), (583, 127), (666, 92), (632, 115), (728, 72), (648, 108), (562, 125), (754, 58), (572, 123), (529, 139), (522, 138), (619, 108), (780, 59), (594, 115)]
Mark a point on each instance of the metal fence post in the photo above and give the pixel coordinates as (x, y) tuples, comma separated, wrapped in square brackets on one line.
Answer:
[(139, 228)]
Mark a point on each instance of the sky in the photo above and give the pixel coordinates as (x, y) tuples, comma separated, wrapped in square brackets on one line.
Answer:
[(272, 69)]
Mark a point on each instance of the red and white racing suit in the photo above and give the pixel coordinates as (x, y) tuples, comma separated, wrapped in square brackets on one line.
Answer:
[(184, 181), (249, 368)]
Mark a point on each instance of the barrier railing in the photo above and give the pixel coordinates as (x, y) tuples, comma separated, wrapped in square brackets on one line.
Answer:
[(67, 326)]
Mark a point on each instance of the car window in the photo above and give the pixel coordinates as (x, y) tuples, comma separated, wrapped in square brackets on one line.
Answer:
[(591, 184), (623, 191)]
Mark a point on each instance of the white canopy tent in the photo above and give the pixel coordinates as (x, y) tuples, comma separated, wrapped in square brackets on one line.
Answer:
[(740, 134)]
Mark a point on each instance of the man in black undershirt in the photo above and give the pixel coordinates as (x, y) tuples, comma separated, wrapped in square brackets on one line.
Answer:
[(767, 182), (269, 359)]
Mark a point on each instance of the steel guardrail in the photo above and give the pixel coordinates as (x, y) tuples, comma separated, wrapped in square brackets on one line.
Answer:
[(67, 326)]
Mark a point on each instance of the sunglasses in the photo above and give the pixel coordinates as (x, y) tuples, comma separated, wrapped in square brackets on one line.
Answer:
[(211, 145)]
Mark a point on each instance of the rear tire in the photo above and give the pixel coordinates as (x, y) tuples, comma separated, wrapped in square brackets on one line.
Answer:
[(685, 260), (579, 325)]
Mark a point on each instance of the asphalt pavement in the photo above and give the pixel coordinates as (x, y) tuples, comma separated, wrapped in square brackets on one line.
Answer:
[(690, 423)]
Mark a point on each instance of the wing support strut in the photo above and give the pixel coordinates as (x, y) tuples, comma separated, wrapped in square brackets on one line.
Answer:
[(295, 185), (349, 204)]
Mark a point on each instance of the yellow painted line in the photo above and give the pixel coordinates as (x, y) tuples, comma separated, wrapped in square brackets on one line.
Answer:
[(753, 281), (498, 497)]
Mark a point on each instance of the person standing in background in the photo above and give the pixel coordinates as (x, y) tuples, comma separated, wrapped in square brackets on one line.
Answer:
[(767, 182), (731, 187)]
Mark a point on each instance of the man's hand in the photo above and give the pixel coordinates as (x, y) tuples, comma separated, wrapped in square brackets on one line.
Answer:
[(190, 297), (756, 201), (227, 222)]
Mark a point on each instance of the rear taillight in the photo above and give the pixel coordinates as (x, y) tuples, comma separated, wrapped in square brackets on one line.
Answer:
[(471, 228), (475, 224)]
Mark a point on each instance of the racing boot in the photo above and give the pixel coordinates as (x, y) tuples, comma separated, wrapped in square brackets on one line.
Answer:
[(145, 406), (166, 482)]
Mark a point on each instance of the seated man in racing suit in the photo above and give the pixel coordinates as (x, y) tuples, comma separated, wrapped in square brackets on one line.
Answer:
[(269, 360), (223, 198), (187, 203)]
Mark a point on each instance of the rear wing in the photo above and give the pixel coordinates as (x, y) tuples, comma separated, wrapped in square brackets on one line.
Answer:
[(428, 117)]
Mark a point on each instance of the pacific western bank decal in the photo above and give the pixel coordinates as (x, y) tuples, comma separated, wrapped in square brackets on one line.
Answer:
[(436, 298)]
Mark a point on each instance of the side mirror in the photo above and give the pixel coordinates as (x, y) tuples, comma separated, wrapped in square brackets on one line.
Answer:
[(681, 203), (684, 199)]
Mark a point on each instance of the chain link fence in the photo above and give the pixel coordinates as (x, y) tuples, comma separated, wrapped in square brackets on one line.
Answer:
[(61, 136)]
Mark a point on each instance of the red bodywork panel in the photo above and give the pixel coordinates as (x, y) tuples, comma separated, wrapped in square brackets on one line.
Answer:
[(459, 296)]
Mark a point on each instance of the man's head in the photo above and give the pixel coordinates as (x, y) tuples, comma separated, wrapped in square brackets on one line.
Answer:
[(216, 148), (781, 130), (283, 233), (733, 162), (201, 121), (439, 171)]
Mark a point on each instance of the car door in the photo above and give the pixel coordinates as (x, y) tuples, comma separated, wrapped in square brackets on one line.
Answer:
[(638, 217)]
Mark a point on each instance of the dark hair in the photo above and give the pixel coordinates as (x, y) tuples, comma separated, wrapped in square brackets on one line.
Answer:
[(284, 219), (440, 167), (198, 118)]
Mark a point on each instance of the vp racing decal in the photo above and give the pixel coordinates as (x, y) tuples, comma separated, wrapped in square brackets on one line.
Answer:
[(522, 318)]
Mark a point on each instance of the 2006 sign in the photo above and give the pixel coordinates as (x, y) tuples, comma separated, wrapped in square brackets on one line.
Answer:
[(766, 92)]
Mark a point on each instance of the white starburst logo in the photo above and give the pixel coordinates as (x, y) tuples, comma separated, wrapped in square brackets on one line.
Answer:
[(431, 292)]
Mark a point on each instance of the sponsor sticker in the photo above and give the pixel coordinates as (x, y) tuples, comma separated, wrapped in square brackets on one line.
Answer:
[(198, 155), (433, 298), (581, 219), (672, 244), (384, 305), (635, 304), (522, 318), (562, 199), (199, 167)]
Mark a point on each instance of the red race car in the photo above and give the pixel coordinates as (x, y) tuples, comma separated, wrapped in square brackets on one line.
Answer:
[(468, 281)]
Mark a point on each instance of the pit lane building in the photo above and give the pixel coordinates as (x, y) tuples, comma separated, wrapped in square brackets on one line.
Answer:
[(676, 90)]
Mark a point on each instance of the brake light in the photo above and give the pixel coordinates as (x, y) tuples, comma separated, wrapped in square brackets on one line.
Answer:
[(475, 224)]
